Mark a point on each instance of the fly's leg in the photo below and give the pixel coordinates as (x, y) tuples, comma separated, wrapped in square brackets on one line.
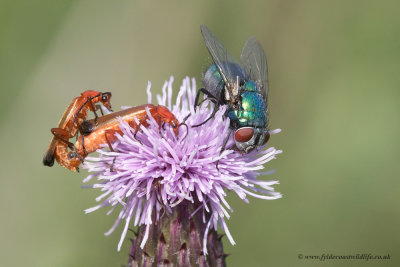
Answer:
[(216, 106), (205, 92), (210, 97), (187, 117), (225, 141), (224, 145)]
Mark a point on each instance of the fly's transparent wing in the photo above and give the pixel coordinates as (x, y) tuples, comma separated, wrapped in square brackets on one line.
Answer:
[(255, 63), (221, 57)]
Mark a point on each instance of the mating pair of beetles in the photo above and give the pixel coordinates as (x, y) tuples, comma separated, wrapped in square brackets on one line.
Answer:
[(242, 87)]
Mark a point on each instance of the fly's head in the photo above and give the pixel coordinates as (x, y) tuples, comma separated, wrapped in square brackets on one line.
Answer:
[(248, 138)]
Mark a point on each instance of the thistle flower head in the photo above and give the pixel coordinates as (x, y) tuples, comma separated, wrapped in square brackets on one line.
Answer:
[(155, 170)]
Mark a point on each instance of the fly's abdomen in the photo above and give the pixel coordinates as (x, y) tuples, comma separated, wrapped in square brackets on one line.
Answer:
[(252, 113), (213, 80)]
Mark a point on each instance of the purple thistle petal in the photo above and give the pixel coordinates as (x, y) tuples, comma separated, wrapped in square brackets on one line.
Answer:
[(159, 172)]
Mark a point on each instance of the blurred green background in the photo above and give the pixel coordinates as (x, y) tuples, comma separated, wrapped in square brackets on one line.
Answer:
[(334, 91)]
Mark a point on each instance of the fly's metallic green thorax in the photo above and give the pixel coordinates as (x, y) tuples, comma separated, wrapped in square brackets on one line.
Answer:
[(250, 86), (242, 87), (253, 111)]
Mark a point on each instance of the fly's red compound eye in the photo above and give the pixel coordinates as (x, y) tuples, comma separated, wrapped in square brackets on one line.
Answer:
[(266, 138), (244, 134)]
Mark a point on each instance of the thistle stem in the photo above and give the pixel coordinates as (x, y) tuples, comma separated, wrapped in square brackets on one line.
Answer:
[(177, 240)]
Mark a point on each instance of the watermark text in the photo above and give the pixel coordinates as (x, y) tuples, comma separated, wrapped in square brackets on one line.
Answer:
[(331, 256)]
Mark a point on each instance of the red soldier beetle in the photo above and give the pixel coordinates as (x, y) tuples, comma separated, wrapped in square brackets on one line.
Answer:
[(108, 125), (68, 126)]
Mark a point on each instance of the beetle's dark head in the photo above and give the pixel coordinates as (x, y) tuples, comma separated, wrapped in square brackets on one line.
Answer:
[(87, 127), (105, 99)]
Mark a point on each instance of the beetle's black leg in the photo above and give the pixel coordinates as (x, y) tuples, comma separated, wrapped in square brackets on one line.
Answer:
[(101, 110), (112, 165), (159, 130), (106, 133), (92, 105), (69, 144), (136, 131), (96, 117), (83, 145), (83, 140), (76, 153)]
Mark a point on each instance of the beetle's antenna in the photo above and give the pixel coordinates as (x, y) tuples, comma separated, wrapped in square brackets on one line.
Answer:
[(187, 127), (187, 130)]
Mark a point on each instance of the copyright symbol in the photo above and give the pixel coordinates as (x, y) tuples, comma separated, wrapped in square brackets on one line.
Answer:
[(300, 256)]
